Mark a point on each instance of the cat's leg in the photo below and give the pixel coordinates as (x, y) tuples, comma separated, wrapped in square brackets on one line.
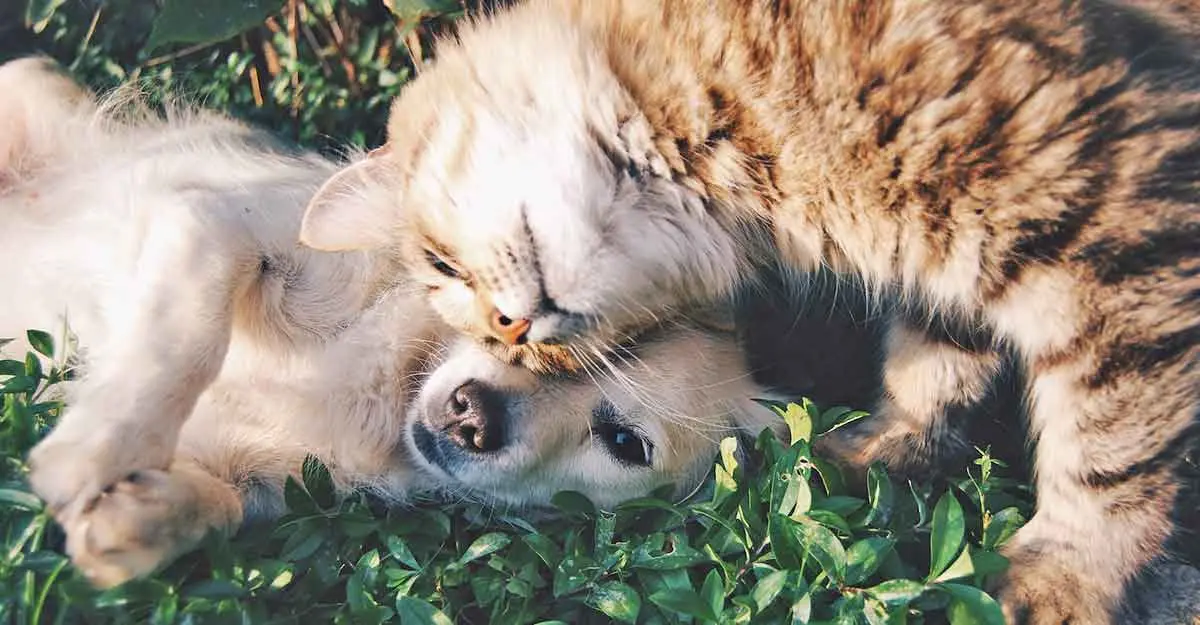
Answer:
[(929, 378), (1114, 408), (1106, 489), (168, 332), (142, 523)]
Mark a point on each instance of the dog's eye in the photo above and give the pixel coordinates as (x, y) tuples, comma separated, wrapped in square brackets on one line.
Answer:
[(441, 266), (625, 443)]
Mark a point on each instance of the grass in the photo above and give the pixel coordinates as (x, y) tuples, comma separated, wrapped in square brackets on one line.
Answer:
[(787, 541)]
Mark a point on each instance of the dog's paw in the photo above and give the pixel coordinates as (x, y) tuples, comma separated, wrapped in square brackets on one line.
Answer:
[(140, 524), (74, 464), (1040, 589)]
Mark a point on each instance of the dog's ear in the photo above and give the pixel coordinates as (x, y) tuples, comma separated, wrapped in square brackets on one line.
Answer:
[(40, 104), (356, 209)]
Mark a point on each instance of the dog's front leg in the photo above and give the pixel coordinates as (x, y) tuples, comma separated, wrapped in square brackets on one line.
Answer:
[(168, 329), (142, 523)]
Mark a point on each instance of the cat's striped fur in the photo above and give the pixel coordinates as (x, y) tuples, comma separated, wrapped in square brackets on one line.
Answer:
[(582, 168)]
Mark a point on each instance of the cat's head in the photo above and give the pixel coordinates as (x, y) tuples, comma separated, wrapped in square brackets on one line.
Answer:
[(524, 190)]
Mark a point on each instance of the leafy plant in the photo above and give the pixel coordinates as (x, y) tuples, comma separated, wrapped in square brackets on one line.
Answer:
[(777, 537)]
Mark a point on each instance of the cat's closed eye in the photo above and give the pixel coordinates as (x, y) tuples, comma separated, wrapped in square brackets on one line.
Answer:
[(441, 266)]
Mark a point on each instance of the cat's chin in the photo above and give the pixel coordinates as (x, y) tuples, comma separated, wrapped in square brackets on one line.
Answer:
[(541, 358)]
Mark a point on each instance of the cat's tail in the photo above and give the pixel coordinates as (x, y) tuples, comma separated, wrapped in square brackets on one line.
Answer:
[(41, 108)]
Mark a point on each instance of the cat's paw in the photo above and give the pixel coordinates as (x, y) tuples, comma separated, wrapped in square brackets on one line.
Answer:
[(139, 525), (855, 448), (83, 456), (1041, 589)]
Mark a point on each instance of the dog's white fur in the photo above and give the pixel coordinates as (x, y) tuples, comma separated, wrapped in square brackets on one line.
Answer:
[(217, 353)]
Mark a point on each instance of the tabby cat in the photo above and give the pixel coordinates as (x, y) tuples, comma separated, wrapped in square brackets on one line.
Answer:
[(571, 172)]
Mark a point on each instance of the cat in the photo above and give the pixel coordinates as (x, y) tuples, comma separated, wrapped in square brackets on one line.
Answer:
[(214, 354), (567, 174)]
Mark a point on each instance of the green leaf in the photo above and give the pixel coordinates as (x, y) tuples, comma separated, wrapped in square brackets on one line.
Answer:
[(677, 556), (971, 606), (569, 575), (831, 476), (830, 520), (713, 591), (414, 611), (988, 563), (684, 601), (41, 342), (881, 497), (297, 498), (165, 611), (33, 367), (573, 502), (842, 505), (545, 549), (617, 600), (214, 589), (919, 501), (864, 557), (412, 10), (846, 418), (947, 533), (797, 496), (207, 21), (398, 547), (962, 567), (1001, 526), (799, 422), (877, 613), (484, 545), (39, 12), (802, 608), (729, 447), (12, 367), (824, 547), (784, 544), (303, 543), (897, 591), (20, 499), (724, 482), (768, 588), (317, 481), (18, 384), (486, 585)]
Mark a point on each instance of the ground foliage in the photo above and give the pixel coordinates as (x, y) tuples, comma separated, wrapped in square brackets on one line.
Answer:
[(778, 536)]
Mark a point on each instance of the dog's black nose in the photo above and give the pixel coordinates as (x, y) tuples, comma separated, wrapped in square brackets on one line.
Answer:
[(473, 418)]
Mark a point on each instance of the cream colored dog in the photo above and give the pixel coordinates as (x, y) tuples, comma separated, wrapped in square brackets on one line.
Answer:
[(217, 353)]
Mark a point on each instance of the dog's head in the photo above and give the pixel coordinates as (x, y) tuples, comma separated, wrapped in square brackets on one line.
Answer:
[(651, 416)]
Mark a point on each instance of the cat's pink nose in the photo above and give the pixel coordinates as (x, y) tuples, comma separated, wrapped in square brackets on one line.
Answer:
[(510, 331)]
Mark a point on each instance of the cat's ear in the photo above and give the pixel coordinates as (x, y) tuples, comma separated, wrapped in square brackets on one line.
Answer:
[(351, 211), (40, 107)]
